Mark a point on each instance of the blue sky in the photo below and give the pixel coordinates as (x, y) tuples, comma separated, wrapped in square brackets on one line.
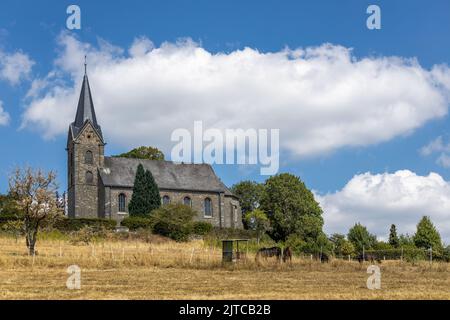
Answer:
[(410, 29)]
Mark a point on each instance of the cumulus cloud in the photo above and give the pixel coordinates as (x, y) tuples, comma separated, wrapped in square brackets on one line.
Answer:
[(4, 116), (322, 98), (15, 67), (379, 200)]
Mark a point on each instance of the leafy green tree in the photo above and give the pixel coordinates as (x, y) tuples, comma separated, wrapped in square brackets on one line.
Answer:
[(8, 206), (446, 254), (347, 248), (146, 153), (337, 240), (394, 241), (405, 240), (381, 245), (154, 198), (139, 203), (258, 221), (291, 208), (360, 237), (249, 194), (427, 236), (319, 245), (342, 247)]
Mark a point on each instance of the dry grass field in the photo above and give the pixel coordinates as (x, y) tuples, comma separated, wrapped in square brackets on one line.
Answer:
[(169, 270)]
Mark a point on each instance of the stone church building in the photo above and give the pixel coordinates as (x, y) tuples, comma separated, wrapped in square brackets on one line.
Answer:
[(101, 187)]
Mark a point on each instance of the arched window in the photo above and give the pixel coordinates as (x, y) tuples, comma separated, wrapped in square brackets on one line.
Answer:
[(89, 177), (122, 203), (208, 207), (166, 200), (187, 201), (88, 157)]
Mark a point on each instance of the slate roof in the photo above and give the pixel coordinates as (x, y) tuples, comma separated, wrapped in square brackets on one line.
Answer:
[(85, 111), (120, 172)]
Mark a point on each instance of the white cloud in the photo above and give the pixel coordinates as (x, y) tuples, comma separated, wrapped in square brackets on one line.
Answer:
[(438, 146), (322, 98), (4, 116), (140, 47), (15, 67), (444, 160), (379, 200)]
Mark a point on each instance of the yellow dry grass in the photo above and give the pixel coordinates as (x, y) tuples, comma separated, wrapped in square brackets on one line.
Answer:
[(169, 270)]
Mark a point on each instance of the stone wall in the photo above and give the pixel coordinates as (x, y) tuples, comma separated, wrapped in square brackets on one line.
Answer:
[(198, 200), (221, 206)]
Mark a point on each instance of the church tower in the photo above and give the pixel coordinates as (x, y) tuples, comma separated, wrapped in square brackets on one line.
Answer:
[(85, 155)]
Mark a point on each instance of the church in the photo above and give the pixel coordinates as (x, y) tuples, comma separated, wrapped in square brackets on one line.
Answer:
[(101, 186)]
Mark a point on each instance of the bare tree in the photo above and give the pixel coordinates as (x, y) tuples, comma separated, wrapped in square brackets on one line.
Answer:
[(34, 194)]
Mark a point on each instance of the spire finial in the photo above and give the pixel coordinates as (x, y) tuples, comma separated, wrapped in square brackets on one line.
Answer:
[(85, 64)]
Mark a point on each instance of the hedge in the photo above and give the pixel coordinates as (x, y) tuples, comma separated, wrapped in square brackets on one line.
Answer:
[(70, 224), (409, 254), (135, 223), (75, 224), (201, 228)]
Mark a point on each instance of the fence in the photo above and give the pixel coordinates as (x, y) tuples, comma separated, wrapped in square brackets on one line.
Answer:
[(403, 254), (169, 254)]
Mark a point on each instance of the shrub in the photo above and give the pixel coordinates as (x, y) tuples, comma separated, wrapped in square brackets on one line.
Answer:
[(13, 227), (135, 223), (84, 236), (174, 221), (201, 228), (76, 224), (414, 254), (410, 253)]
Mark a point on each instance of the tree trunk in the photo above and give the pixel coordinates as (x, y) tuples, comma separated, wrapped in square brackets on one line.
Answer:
[(31, 242), (32, 251)]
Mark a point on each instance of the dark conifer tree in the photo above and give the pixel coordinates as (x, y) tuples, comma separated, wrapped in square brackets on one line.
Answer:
[(393, 238), (138, 205), (154, 198)]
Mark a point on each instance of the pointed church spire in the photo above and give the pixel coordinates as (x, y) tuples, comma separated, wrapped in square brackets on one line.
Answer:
[(85, 110)]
